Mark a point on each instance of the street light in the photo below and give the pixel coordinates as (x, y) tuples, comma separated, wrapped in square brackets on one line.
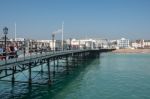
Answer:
[(70, 46), (5, 30), (53, 36)]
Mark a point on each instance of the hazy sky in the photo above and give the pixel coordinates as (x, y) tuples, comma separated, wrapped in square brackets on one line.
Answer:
[(82, 18)]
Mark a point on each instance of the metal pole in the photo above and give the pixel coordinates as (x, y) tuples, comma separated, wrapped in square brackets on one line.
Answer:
[(70, 44), (49, 76), (67, 68), (57, 64), (30, 78), (73, 60), (24, 49), (77, 59), (62, 36), (41, 66), (5, 56), (5, 47), (15, 31), (79, 44), (13, 74), (5, 30), (53, 35), (54, 66)]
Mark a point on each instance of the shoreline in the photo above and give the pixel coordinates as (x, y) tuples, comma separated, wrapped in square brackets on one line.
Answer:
[(131, 51)]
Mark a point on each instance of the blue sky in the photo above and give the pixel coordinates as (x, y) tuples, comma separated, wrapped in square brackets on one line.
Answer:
[(82, 18)]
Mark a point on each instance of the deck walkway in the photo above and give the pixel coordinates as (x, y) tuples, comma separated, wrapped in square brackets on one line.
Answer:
[(12, 66)]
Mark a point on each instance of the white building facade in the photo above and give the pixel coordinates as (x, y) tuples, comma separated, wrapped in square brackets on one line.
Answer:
[(146, 43), (123, 43)]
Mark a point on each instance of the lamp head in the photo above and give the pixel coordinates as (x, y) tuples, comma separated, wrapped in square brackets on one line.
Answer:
[(5, 30)]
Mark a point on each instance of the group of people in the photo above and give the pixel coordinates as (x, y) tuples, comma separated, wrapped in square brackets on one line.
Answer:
[(9, 52)]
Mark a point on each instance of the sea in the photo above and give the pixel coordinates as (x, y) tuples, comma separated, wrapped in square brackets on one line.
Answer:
[(109, 76)]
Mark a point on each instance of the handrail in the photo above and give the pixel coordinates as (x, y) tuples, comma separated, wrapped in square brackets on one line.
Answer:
[(34, 55)]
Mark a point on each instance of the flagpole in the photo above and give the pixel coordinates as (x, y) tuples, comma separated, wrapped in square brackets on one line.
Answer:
[(15, 31), (62, 36)]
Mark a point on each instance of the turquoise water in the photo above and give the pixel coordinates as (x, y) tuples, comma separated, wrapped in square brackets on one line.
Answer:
[(112, 76)]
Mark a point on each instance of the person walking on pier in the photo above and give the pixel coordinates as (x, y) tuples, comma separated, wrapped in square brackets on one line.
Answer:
[(11, 52), (15, 51), (1, 53)]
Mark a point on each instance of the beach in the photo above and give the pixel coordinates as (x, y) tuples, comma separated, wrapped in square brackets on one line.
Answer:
[(132, 51)]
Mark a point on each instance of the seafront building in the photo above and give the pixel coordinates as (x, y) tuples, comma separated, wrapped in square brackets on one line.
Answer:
[(102, 43), (141, 44), (123, 43), (138, 44), (95, 43), (45, 44), (31, 45), (81, 43), (87, 44), (146, 43)]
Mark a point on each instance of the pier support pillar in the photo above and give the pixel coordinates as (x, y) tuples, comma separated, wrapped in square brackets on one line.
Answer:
[(49, 74), (41, 66), (13, 74), (77, 59), (5, 67), (54, 67), (30, 74), (73, 60), (57, 64), (67, 65)]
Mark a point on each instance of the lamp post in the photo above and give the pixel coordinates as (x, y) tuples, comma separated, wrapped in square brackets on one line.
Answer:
[(5, 30), (53, 35), (79, 44), (24, 48), (70, 47)]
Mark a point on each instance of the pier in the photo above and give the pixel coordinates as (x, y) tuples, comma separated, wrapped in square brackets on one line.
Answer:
[(49, 63)]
